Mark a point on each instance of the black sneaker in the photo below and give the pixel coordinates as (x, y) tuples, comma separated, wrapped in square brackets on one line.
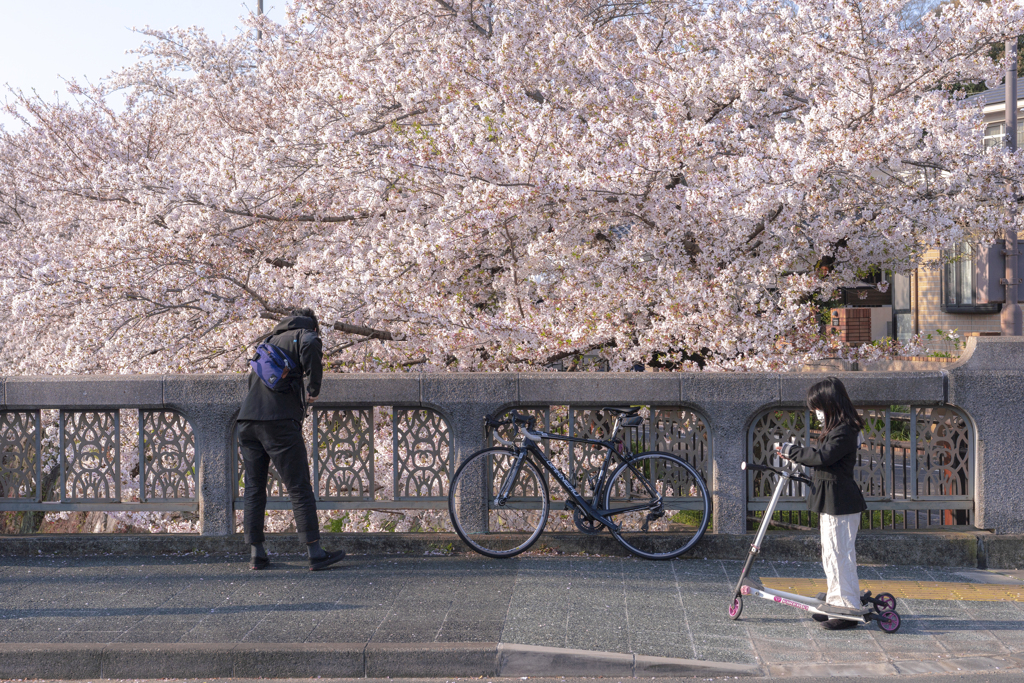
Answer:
[(838, 624), (316, 564), (258, 557)]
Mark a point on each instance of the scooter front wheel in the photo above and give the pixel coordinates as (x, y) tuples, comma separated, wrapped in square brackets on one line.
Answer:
[(888, 621), (736, 608), (885, 602)]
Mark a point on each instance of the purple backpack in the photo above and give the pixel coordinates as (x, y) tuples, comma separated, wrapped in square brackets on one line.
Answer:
[(272, 365)]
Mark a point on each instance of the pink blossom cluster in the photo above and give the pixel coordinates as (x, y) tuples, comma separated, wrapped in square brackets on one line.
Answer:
[(472, 186)]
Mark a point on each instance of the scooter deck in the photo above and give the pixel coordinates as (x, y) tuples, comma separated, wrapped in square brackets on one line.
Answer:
[(756, 587)]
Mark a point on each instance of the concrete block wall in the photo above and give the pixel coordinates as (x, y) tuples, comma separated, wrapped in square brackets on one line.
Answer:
[(988, 383)]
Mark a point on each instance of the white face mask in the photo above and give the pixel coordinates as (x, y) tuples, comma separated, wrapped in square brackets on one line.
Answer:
[(820, 414)]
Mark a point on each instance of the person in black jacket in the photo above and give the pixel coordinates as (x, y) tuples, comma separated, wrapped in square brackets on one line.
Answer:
[(834, 493), (270, 430)]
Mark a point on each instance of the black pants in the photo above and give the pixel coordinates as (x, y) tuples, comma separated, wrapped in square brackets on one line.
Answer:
[(279, 441)]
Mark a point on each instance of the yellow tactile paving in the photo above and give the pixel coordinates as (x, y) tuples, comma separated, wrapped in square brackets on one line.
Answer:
[(911, 590)]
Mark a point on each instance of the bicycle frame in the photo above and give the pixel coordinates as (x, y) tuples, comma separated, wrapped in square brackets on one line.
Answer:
[(529, 445)]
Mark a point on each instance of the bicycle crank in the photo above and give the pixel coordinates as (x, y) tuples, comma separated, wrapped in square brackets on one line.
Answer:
[(585, 522)]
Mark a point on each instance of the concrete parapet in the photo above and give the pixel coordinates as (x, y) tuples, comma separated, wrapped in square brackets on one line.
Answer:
[(1001, 551), (365, 389), (91, 391), (987, 383), (599, 388)]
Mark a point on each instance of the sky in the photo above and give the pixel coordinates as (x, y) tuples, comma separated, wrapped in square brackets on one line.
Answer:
[(44, 40)]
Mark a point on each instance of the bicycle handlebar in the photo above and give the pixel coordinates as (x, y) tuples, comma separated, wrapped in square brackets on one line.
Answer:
[(515, 418)]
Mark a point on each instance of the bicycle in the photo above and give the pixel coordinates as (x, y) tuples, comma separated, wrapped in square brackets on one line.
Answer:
[(655, 504)]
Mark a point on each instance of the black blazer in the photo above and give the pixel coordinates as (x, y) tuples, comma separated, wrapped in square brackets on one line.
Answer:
[(297, 336), (835, 492)]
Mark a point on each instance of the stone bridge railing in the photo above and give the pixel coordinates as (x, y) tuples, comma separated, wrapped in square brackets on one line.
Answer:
[(959, 448)]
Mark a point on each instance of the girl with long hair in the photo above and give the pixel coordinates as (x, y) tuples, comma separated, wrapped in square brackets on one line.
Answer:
[(834, 494)]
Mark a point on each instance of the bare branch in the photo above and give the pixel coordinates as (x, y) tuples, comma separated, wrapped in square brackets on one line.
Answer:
[(368, 332)]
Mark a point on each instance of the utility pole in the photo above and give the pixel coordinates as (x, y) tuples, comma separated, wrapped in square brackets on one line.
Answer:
[(1011, 318), (259, 13)]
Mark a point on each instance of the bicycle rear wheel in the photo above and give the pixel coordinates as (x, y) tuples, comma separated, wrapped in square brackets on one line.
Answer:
[(652, 528), (509, 526)]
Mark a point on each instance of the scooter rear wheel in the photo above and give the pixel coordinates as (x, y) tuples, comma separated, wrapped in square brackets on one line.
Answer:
[(885, 602), (736, 608), (888, 621)]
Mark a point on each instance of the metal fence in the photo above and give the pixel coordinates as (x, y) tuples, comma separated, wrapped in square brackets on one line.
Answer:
[(348, 472), (109, 460), (915, 467)]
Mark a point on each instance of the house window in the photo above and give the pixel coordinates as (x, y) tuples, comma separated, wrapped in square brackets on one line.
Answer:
[(995, 134), (959, 291), (901, 307)]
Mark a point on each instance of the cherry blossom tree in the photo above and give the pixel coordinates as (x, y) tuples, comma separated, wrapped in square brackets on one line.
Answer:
[(467, 185)]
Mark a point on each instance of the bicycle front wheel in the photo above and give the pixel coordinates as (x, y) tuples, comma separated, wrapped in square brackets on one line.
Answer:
[(488, 522), (660, 503)]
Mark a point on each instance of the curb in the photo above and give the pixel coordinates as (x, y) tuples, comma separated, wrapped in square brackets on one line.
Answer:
[(76, 661), (934, 549), (956, 666)]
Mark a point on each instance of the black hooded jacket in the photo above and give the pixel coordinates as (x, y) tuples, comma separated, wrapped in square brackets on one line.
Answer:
[(835, 491), (298, 337)]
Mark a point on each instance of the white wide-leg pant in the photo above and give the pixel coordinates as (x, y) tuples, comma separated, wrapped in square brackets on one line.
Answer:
[(839, 558)]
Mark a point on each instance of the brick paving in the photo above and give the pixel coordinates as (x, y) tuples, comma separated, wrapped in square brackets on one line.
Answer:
[(627, 605)]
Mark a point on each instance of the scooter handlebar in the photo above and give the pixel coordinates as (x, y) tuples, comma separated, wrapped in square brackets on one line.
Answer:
[(768, 468)]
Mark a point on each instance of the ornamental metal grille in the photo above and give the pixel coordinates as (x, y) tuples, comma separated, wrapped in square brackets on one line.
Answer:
[(167, 457), (343, 460), (683, 433), (20, 459), (90, 446), (585, 461), (344, 444), (915, 466), (72, 460), (422, 454)]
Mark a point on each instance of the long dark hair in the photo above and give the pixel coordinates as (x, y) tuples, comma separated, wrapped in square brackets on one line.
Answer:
[(830, 397)]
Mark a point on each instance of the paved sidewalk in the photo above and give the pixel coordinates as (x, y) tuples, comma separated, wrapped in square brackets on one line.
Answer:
[(612, 604)]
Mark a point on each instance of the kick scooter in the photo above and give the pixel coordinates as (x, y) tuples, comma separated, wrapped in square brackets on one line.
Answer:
[(881, 608)]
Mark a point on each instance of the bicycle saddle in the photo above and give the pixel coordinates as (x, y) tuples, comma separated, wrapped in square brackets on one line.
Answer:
[(621, 411)]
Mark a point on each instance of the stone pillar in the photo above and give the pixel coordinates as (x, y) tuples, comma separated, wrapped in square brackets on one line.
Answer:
[(210, 403), (988, 383), (464, 399), (730, 401)]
